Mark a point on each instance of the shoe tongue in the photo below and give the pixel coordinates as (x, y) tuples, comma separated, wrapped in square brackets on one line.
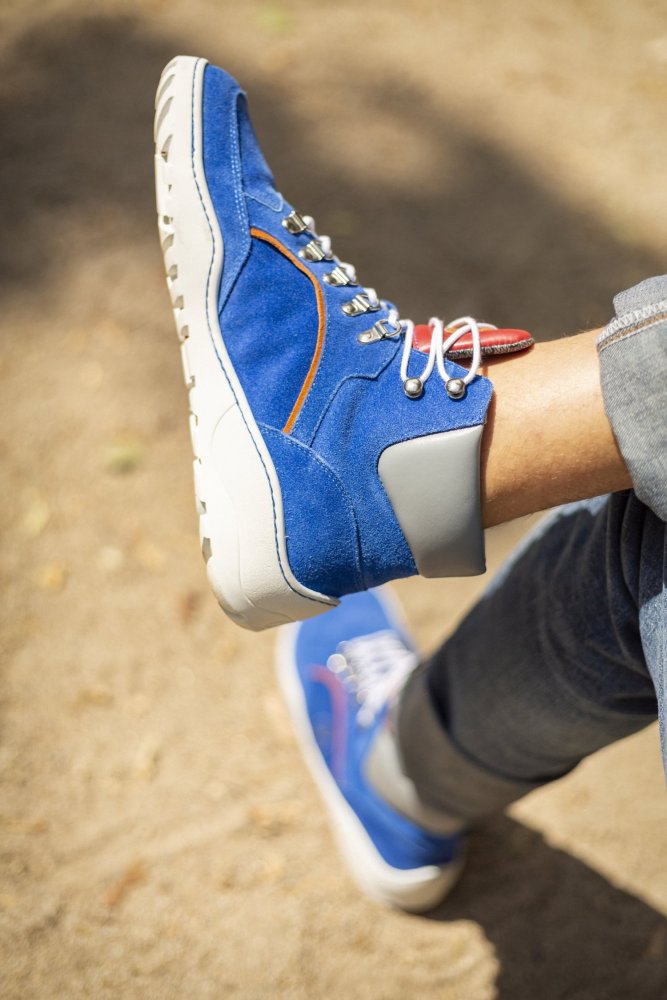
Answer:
[(503, 341), (257, 178)]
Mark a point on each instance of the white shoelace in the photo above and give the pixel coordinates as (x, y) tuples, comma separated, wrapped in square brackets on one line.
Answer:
[(440, 344), (443, 337), (374, 667)]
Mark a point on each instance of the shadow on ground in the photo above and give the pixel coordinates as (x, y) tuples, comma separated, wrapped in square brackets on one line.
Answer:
[(76, 119), (559, 929)]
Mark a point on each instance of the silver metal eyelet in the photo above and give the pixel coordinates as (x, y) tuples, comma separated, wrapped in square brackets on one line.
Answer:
[(360, 304), (413, 388), (314, 252), (382, 330), (456, 388), (295, 223), (338, 277)]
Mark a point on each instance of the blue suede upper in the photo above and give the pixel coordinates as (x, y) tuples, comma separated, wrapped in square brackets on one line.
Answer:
[(270, 297), (316, 497), (344, 744), (342, 534)]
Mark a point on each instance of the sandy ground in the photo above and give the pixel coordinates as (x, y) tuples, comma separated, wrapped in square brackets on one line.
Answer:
[(159, 836)]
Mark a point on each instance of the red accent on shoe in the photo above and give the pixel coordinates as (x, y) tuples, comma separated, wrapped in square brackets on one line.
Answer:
[(492, 341)]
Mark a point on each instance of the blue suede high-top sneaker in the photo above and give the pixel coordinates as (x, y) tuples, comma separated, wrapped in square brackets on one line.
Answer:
[(339, 675), (327, 458)]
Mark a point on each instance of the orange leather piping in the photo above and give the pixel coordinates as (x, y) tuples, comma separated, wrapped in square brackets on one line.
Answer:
[(261, 235)]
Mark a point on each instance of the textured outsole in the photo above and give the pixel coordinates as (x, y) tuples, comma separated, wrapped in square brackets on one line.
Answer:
[(238, 495), (416, 890)]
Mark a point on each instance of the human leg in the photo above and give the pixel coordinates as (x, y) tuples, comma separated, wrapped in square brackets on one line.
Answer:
[(299, 501), (563, 654), (547, 439)]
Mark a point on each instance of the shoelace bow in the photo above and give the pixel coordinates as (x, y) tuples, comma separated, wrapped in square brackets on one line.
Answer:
[(374, 668), (443, 337)]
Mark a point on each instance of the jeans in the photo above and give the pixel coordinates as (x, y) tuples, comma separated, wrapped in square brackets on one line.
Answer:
[(565, 653), (567, 650)]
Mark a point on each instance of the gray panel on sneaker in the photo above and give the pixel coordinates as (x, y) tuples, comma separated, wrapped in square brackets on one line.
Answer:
[(424, 477)]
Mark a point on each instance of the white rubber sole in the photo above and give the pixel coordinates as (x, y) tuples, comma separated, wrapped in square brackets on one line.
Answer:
[(416, 890), (236, 486)]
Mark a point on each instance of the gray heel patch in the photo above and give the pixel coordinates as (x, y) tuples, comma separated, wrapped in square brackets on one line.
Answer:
[(433, 485)]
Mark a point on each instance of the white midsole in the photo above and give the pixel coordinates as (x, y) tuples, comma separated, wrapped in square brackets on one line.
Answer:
[(238, 493), (417, 889)]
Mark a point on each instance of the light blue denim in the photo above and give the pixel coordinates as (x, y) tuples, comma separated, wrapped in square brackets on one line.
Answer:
[(567, 649)]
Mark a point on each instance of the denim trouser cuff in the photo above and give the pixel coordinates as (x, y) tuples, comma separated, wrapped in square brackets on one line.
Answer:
[(446, 779), (633, 354)]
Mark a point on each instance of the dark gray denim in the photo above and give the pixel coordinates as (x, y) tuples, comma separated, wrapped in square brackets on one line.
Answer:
[(567, 649)]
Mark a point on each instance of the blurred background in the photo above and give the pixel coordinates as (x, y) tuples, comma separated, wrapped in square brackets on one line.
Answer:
[(159, 836)]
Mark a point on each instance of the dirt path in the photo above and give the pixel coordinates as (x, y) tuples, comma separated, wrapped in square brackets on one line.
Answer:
[(159, 835)]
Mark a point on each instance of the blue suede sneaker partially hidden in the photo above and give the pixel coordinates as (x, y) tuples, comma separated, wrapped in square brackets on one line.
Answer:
[(339, 675), (327, 458)]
